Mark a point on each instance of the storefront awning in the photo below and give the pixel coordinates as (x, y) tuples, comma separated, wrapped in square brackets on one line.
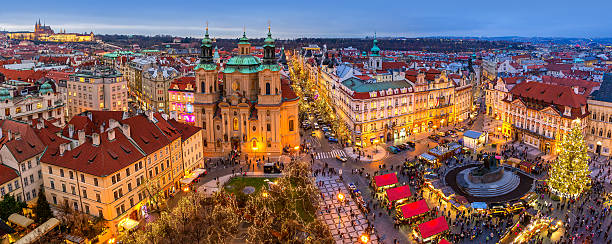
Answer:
[(433, 227), (428, 157), (20, 220), (39, 231), (128, 224), (414, 209), (398, 193), (192, 176), (385, 180)]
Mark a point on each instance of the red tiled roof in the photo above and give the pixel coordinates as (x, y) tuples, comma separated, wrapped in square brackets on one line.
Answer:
[(146, 135), (393, 65), (444, 241), (363, 77), (569, 82), (185, 130), (433, 227), (23, 75), (102, 160), (385, 180), (398, 193), (286, 90), (553, 94), (170, 131), (28, 146), (7, 174), (182, 83), (414, 209)]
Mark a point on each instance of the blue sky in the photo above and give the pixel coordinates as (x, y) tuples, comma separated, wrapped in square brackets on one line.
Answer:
[(317, 18)]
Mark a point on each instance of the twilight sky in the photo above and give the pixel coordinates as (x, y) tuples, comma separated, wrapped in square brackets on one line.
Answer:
[(316, 18)]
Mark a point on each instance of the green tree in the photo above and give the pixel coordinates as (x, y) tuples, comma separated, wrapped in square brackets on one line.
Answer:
[(570, 174), (42, 211), (9, 205)]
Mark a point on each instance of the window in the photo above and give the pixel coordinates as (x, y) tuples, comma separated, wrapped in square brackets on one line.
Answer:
[(98, 197), (82, 178), (268, 127), (267, 88), (73, 190), (127, 172), (95, 181), (291, 125), (129, 185), (84, 193), (235, 123), (52, 184), (62, 172), (63, 187)]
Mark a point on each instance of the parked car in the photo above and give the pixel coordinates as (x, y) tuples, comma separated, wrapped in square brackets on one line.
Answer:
[(401, 146), (393, 149), (314, 133), (341, 158), (332, 139), (327, 135), (411, 144)]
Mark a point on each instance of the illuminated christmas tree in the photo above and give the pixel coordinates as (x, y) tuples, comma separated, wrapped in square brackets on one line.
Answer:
[(570, 174)]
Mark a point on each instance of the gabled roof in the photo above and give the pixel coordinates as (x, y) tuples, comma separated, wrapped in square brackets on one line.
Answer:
[(553, 94), (605, 90), (146, 135), (7, 174), (185, 130), (102, 160), (24, 146)]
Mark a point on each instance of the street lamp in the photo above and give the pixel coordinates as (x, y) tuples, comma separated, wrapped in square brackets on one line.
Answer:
[(364, 238), (340, 197)]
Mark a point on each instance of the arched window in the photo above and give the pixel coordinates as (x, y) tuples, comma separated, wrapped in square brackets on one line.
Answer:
[(593, 130), (235, 123), (600, 132), (594, 115), (254, 144), (276, 90), (203, 87), (267, 88)]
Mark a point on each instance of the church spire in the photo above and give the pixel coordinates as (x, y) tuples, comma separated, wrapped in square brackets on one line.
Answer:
[(269, 49)]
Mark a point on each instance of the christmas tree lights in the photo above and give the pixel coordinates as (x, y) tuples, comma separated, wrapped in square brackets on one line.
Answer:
[(570, 174)]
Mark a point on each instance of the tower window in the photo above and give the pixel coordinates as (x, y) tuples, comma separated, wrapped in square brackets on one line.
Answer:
[(235, 124), (267, 88)]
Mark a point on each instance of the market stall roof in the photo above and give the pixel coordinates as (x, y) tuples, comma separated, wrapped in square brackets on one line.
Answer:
[(444, 241), (514, 160), (20, 220), (433, 227), (398, 193), (428, 157), (461, 199), (385, 180), (414, 209), (194, 174), (39, 231), (472, 134)]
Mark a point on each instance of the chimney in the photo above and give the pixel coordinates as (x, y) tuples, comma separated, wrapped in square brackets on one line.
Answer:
[(8, 133), (111, 135), (125, 128), (81, 135), (112, 124), (70, 130), (95, 139), (576, 89), (89, 115), (150, 115)]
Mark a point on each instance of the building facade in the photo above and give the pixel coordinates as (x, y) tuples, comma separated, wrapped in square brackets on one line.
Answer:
[(10, 183), (110, 165), (25, 101), (540, 114), (45, 33), (252, 109), (181, 99), (599, 131), (101, 88), (155, 84)]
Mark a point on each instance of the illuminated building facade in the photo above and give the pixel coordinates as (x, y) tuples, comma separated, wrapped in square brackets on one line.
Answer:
[(100, 88), (253, 109), (45, 33), (181, 99)]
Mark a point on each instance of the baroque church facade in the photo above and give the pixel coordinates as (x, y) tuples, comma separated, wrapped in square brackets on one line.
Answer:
[(245, 105)]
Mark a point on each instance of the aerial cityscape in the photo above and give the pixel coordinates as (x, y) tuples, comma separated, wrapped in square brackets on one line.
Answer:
[(277, 124)]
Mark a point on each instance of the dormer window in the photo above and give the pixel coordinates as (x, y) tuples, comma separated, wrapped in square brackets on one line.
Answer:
[(567, 111)]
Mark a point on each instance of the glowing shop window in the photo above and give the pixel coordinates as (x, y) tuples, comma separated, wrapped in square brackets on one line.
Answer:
[(189, 108)]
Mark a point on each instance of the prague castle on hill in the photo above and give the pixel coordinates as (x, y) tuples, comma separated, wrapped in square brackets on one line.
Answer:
[(45, 33)]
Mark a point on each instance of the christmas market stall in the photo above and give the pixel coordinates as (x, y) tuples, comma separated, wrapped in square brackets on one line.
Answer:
[(409, 211), (526, 166), (444, 241), (429, 230), (443, 152), (439, 188), (382, 182), (431, 159), (398, 195)]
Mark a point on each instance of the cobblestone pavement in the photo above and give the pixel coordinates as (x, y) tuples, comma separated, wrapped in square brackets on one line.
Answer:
[(344, 219)]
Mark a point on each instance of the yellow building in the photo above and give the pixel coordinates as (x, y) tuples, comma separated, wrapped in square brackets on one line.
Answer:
[(252, 109), (46, 34), (122, 168)]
